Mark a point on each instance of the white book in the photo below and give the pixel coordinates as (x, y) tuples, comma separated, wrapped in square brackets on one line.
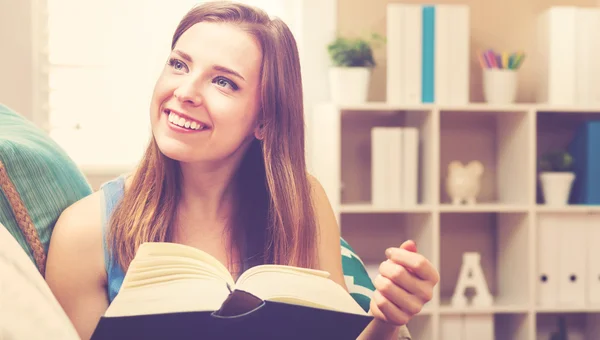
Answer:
[(588, 54), (557, 64), (410, 166), (379, 167), (572, 259), (395, 84), (394, 184), (442, 54), (413, 56), (593, 260), (547, 260), (478, 327), (459, 68)]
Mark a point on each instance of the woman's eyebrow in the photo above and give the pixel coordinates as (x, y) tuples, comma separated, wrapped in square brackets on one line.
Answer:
[(184, 55), (219, 68), (228, 70)]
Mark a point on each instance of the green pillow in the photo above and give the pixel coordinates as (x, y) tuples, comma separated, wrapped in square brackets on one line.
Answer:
[(359, 283), (38, 181), (357, 279)]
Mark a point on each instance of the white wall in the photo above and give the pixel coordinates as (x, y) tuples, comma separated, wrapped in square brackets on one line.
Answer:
[(16, 73)]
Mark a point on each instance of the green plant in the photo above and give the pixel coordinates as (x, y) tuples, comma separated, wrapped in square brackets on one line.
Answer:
[(353, 52), (556, 161)]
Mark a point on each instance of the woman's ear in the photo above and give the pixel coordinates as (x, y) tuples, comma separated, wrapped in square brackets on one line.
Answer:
[(259, 131)]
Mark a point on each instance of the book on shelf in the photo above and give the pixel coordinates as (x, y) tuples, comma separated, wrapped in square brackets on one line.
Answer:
[(428, 54), (394, 166), (586, 163), (568, 44), (174, 291)]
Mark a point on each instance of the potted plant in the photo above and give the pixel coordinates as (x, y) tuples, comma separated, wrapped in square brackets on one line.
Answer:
[(350, 74), (556, 176)]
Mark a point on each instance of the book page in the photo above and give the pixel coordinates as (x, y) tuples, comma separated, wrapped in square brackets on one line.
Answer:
[(169, 254), (170, 278), (186, 294), (299, 286)]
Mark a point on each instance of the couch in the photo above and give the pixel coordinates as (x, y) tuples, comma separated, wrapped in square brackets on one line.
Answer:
[(37, 182)]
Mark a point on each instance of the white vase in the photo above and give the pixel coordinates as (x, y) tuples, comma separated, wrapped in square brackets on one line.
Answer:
[(556, 187), (349, 85)]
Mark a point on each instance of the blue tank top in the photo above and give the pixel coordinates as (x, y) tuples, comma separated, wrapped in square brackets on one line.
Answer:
[(113, 193)]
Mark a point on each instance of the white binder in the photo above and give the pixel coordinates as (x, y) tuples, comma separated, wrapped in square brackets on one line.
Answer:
[(572, 259), (547, 259), (593, 260)]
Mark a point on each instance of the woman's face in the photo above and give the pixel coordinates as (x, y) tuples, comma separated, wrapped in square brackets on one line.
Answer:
[(205, 103)]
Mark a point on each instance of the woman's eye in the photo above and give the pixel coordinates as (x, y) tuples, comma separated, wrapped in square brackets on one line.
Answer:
[(223, 82), (178, 65)]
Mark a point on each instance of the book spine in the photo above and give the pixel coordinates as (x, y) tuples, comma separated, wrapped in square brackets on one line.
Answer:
[(562, 62), (395, 83), (395, 169), (413, 58), (379, 166), (428, 52), (410, 162), (442, 54), (458, 68)]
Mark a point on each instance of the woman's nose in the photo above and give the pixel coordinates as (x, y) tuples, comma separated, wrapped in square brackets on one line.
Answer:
[(189, 92)]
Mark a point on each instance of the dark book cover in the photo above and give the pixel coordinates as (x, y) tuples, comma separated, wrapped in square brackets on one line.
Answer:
[(242, 316)]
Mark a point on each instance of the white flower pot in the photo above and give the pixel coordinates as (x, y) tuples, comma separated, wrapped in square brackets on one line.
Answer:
[(349, 85), (556, 187)]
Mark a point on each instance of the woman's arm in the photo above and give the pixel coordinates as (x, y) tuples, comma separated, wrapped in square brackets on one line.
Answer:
[(330, 256), (405, 282), (75, 266)]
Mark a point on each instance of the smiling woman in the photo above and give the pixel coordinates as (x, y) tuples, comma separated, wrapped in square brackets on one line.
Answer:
[(215, 89), (224, 172), (89, 90)]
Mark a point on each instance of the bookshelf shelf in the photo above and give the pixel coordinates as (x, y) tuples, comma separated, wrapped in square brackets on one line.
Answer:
[(447, 309), (369, 208), (503, 226)]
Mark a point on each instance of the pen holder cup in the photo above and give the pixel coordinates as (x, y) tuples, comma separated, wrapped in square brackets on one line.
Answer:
[(499, 86)]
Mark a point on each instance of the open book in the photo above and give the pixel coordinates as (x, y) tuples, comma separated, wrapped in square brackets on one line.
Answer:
[(176, 291)]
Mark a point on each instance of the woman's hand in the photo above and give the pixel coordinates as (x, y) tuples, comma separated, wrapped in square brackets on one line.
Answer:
[(404, 284)]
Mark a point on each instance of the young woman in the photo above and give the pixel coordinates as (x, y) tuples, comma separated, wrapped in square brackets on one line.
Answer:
[(224, 172)]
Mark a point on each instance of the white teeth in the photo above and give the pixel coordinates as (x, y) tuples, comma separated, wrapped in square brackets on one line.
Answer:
[(180, 121)]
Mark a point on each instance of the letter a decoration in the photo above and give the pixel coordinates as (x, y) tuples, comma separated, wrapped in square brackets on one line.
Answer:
[(471, 276)]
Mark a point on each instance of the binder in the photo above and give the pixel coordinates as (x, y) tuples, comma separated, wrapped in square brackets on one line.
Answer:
[(572, 258), (593, 260), (547, 259)]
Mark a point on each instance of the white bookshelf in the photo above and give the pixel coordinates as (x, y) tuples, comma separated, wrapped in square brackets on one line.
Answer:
[(501, 226)]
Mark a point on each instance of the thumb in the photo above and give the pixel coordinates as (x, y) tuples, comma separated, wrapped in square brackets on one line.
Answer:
[(409, 245)]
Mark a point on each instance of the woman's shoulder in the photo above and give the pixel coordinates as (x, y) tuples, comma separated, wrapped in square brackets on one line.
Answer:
[(80, 225)]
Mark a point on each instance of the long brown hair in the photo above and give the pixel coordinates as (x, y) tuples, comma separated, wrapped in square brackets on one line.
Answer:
[(276, 209)]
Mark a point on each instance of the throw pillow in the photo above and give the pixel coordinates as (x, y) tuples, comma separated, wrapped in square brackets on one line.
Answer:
[(38, 181), (357, 279)]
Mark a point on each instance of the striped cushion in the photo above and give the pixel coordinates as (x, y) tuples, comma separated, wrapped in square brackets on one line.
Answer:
[(359, 283), (357, 279), (37, 182)]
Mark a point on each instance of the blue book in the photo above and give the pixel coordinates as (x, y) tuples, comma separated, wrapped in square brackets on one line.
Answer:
[(428, 55), (586, 164)]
